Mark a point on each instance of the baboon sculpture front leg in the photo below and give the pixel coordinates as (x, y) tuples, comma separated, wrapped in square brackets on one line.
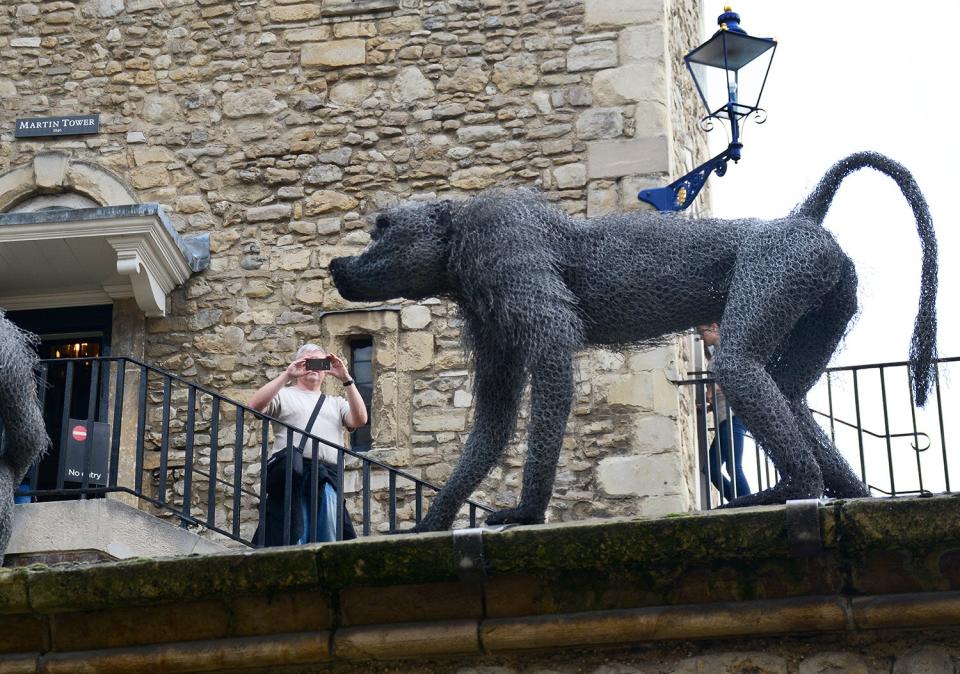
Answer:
[(551, 395), (497, 391)]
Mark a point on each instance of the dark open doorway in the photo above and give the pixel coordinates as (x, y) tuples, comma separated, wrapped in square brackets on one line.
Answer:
[(67, 335)]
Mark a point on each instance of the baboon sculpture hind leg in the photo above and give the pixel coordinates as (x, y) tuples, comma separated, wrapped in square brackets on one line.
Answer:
[(780, 276), (800, 364)]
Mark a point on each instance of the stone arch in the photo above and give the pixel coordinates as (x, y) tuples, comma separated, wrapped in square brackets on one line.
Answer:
[(57, 172)]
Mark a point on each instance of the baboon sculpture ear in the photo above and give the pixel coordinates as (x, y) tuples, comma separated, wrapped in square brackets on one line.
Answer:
[(382, 221)]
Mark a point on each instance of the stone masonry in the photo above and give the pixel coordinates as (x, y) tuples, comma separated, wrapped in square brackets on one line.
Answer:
[(280, 127)]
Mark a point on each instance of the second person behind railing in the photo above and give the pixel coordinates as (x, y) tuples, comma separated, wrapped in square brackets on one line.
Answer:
[(295, 398), (728, 424)]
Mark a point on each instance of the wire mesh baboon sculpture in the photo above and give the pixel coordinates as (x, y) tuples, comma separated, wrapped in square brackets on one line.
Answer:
[(25, 437), (534, 285)]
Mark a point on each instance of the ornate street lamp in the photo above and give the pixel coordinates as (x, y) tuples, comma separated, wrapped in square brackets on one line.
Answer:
[(744, 62)]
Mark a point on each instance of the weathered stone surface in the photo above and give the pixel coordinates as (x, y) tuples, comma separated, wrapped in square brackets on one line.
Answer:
[(324, 201), (592, 56), (301, 12), (411, 85), (642, 43), (323, 173), (272, 212), (828, 663), (600, 123), (612, 13), (570, 175), (615, 158), (476, 178), (255, 101), (474, 134), (335, 53), (516, 71), (415, 317), (471, 76), (311, 292), (352, 93)]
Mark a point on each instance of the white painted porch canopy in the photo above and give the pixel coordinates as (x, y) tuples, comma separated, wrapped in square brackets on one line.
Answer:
[(85, 256)]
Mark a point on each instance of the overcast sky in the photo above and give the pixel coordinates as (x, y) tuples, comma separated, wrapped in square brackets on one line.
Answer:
[(848, 76), (851, 76)]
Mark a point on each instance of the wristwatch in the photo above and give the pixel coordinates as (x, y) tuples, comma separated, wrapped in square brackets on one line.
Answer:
[(347, 383)]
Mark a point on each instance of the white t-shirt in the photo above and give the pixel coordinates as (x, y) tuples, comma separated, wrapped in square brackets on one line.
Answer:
[(294, 406)]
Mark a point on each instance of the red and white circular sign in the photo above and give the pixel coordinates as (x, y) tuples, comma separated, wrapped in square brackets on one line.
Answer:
[(79, 433)]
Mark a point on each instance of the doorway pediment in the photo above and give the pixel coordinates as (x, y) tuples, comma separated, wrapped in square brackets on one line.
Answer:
[(95, 255)]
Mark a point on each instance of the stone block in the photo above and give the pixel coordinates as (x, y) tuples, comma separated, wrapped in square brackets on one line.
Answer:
[(25, 42), (827, 663), (653, 433), (250, 102), (324, 201), (483, 133), (520, 70), (7, 89), (617, 158), (410, 603), (50, 169), (570, 176), (600, 123), (316, 34), (629, 83), (334, 54), (755, 663), (612, 13), (294, 260), (592, 56), (302, 12), (416, 350), (411, 85), (272, 614), (149, 176), (925, 660), (415, 317), (311, 292), (603, 197), (271, 212), (475, 177), (433, 420), (642, 43), (351, 93), (656, 474), (650, 118)]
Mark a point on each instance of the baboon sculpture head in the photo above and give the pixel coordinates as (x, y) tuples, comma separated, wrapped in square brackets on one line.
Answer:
[(408, 257)]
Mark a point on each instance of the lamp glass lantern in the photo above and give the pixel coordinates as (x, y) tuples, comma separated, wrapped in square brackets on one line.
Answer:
[(730, 72)]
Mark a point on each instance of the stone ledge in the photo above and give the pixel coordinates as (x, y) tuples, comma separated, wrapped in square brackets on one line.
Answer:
[(723, 574)]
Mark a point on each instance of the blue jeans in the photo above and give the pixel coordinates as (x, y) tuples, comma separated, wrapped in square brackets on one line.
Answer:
[(729, 458), (326, 517), (22, 498)]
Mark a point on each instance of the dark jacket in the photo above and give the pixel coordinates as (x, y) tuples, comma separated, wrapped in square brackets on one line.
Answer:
[(301, 490)]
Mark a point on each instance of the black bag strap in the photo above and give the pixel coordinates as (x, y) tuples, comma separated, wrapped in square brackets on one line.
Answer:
[(313, 417)]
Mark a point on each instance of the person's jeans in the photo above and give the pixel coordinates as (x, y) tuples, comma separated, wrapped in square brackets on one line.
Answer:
[(724, 456), (22, 498), (327, 510)]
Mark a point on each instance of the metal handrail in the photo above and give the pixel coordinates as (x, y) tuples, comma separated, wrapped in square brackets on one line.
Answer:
[(701, 380), (99, 402)]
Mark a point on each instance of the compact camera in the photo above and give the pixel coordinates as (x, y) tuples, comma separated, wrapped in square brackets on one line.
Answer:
[(318, 364)]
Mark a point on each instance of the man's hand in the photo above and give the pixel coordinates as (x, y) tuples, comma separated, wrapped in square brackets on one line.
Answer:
[(296, 369), (338, 368)]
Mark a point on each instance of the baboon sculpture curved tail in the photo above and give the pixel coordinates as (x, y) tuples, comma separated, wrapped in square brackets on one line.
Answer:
[(534, 285)]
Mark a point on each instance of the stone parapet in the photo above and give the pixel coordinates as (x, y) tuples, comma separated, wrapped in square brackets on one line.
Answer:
[(719, 583)]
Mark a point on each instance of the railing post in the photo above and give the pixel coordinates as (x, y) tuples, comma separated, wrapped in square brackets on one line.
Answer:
[(188, 454)]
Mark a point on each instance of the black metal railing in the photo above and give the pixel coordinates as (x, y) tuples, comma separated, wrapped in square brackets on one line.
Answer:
[(121, 426), (868, 411)]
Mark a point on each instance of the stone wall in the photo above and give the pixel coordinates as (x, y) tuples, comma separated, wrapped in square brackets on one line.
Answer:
[(280, 126)]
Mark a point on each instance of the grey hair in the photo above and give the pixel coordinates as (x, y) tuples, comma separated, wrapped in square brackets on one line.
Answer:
[(307, 348)]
